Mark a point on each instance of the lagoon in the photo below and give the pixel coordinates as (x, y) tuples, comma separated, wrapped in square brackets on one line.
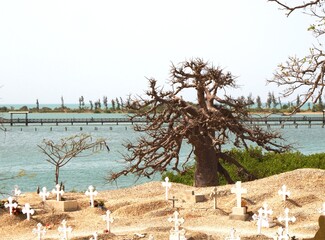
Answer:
[(19, 151)]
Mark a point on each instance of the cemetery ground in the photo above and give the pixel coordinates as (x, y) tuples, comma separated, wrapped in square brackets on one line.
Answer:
[(143, 210)]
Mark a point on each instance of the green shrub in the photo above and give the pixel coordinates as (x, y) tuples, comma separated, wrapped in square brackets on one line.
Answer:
[(260, 164)]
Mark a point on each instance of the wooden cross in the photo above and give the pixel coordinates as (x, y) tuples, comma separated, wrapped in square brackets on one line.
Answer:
[(238, 191), (91, 193), (167, 185), (173, 199), (177, 221), (286, 219), (213, 195), (283, 191), (44, 194), (28, 211), (64, 229), (58, 192), (108, 220), (39, 231), (10, 205)]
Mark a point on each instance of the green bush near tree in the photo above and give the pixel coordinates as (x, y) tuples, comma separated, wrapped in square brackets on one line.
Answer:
[(261, 164)]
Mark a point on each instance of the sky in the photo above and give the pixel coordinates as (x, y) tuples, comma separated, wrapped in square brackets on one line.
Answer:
[(73, 48)]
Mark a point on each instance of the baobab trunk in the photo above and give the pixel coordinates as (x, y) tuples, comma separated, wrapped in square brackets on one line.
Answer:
[(206, 172)]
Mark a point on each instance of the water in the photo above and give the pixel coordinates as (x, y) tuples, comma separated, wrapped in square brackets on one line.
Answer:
[(19, 151)]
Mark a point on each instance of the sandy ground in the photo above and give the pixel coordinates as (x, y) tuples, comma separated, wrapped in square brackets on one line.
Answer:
[(143, 210)]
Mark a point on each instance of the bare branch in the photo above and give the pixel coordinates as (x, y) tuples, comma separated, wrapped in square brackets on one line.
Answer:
[(206, 124)]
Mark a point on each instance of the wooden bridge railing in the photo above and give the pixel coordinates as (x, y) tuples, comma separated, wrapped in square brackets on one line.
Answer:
[(255, 120)]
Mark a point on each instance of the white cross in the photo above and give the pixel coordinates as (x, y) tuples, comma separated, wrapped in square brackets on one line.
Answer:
[(28, 211), (44, 194), (322, 210), (232, 235), (58, 192), (108, 220), (95, 235), (213, 195), (16, 191), (177, 221), (266, 211), (91, 193), (279, 235), (283, 191), (167, 185), (259, 220), (65, 230), (39, 231), (10, 205), (286, 219), (238, 191)]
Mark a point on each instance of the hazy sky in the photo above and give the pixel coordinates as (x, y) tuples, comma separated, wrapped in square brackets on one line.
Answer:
[(50, 49)]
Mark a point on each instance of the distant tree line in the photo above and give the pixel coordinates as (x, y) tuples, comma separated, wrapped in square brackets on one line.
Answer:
[(116, 104), (275, 104)]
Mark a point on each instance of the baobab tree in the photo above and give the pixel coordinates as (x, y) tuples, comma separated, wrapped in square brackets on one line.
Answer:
[(214, 120), (62, 152), (304, 75)]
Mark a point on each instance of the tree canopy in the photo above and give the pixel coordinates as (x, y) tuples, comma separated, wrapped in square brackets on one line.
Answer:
[(63, 151), (214, 120)]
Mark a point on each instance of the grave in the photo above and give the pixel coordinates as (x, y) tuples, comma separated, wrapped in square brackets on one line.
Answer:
[(239, 212), (40, 231), (176, 233), (28, 211), (62, 206), (44, 194), (10, 205), (192, 197), (64, 230), (167, 185), (107, 218), (284, 193), (286, 219), (91, 193)]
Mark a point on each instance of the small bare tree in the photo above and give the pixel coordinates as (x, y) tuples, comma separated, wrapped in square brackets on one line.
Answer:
[(61, 152), (305, 75)]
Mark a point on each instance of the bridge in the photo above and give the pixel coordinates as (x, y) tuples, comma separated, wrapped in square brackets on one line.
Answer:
[(267, 121)]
